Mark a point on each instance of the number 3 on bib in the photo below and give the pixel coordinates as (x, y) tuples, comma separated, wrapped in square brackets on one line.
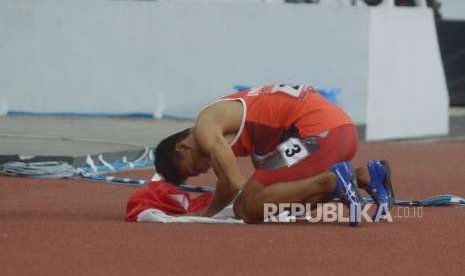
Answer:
[(292, 151)]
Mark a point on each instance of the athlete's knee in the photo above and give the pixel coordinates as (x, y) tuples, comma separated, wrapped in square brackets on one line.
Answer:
[(241, 211), (246, 207), (254, 210)]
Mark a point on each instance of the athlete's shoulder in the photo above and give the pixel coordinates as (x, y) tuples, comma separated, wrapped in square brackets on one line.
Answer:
[(222, 110), (236, 95)]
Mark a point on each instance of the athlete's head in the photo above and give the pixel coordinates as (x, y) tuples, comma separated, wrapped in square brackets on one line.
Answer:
[(178, 157)]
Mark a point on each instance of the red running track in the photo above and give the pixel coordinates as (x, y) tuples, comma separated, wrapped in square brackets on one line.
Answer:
[(76, 227)]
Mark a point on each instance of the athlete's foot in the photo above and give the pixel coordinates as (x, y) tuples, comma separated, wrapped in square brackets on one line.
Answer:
[(347, 191), (380, 186)]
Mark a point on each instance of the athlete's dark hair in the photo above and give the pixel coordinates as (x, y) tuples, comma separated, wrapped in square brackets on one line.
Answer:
[(167, 159)]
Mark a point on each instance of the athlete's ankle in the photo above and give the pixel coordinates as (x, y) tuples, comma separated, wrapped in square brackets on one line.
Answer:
[(362, 176)]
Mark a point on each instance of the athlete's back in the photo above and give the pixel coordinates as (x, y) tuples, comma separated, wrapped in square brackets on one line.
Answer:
[(272, 112)]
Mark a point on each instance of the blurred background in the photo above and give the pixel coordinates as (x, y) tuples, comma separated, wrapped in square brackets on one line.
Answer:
[(396, 66)]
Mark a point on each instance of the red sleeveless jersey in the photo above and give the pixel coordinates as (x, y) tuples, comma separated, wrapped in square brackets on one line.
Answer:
[(272, 112)]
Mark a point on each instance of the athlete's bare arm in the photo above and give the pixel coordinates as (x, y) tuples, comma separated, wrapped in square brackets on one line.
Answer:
[(211, 130)]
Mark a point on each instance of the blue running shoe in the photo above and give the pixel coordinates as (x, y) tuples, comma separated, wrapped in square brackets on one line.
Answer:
[(347, 191), (380, 186)]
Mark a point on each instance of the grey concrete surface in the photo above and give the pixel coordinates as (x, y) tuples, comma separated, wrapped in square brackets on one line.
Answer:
[(73, 139)]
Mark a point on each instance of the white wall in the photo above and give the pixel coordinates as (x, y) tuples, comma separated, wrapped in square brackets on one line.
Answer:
[(407, 93), (128, 56), (173, 58)]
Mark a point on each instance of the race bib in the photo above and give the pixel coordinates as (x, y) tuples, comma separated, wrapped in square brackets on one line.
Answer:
[(292, 151), (296, 91)]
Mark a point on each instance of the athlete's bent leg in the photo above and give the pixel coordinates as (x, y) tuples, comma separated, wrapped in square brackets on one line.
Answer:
[(250, 204)]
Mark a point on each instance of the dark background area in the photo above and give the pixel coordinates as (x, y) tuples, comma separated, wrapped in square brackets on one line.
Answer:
[(452, 43)]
